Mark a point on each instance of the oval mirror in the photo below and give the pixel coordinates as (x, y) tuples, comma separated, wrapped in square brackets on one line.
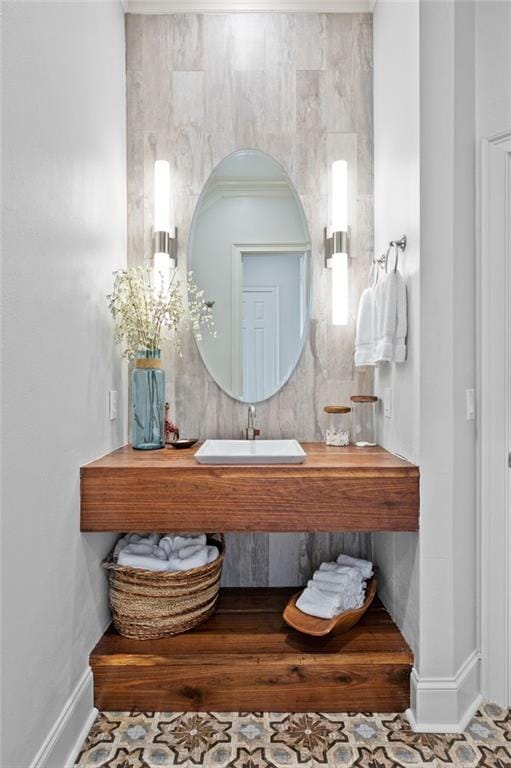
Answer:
[(250, 252)]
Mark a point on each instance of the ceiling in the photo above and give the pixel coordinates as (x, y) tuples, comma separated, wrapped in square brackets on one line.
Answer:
[(277, 6)]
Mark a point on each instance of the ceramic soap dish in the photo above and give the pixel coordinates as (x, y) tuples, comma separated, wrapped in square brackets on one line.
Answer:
[(183, 442), (311, 625)]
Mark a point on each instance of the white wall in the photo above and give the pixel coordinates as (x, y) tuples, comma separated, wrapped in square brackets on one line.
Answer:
[(425, 109), (396, 188), (493, 67), (64, 224), (448, 554), (493, 116)]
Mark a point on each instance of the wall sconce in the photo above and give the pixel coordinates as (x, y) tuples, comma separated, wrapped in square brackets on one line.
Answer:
[(164, 251), (337, 242)]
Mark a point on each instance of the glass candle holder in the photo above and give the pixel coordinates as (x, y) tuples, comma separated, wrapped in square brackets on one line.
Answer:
[(338, 425), (363, 420)]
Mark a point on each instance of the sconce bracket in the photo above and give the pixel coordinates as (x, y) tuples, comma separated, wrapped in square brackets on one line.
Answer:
[(164, 243), (336, 242)]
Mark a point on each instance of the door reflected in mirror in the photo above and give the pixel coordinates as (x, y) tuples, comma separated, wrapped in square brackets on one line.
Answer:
[(250, 252)]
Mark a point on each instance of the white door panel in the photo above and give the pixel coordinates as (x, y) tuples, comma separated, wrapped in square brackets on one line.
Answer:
[(259, 341)]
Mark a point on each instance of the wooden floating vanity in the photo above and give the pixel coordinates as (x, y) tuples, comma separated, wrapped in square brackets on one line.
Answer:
[(335, 489), (245, 657)]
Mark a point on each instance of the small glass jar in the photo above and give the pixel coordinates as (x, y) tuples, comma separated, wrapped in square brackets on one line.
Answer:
[(338, 425), (363, 420)]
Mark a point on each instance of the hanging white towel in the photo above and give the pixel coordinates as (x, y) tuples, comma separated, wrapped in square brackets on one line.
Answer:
[(391, 319), (366, 329)]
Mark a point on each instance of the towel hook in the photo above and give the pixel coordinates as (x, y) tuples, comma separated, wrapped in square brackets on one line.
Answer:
[(398, 245), (401, 243)]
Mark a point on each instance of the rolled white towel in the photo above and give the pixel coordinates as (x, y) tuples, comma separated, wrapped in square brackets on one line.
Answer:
[(213, 553), (328, 567), (151, 550), (121, 543), (315, 604), (133, 538), (177, 562), (186, 552), (365, 566), (178, 540), (353, 600), (142, 561), (345, 599), (166, 546), (322, 596), (342, 576), (325, 587), (175, 541)]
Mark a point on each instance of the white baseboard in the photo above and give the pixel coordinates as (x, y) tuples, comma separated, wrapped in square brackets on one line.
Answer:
[(61, 746), (446, 704)]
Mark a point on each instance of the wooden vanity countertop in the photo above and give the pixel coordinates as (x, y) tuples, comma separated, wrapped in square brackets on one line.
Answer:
[(335, 489)]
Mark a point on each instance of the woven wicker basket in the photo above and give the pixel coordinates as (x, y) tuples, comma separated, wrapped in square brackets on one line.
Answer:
[(150, 604)]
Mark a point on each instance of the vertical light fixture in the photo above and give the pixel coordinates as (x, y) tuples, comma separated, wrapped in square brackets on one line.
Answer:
[(337, 242), (164, 251)]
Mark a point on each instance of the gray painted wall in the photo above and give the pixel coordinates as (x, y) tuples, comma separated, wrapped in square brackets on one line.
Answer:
[(64, 232), (298, 86)]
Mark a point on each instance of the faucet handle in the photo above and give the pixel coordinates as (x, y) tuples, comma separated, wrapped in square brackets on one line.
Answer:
[(251, 432)]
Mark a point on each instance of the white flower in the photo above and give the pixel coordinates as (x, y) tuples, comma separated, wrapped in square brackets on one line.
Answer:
[(143, 309)]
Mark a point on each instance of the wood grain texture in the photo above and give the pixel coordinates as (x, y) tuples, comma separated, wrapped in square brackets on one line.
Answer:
[(349, 489), (298, 86), (246, 658)]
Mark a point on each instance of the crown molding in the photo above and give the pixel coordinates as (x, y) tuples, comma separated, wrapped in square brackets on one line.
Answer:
[(248, 6), (249, 187)]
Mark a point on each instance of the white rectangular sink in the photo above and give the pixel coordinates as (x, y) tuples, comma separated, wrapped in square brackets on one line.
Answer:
[(250, 452)]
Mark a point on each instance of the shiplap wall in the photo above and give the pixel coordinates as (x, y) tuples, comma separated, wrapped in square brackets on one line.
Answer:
[(298, 86)]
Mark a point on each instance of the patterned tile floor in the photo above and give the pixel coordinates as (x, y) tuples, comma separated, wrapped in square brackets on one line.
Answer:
[(270, 740)]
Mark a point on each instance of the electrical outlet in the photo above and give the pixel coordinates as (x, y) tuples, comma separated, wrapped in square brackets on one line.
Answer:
[(112, 404), (387, 403), (470, 396)]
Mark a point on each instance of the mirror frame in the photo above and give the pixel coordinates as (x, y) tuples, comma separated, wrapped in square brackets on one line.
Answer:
[(253, 247)]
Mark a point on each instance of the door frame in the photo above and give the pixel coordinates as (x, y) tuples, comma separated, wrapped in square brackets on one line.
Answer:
[(493, 422), (238, 250)]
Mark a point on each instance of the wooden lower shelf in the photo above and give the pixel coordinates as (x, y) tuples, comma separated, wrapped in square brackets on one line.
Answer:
[(245, 658)]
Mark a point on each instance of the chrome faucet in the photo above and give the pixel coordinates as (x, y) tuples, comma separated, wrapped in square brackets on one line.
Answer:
[(251, 432)]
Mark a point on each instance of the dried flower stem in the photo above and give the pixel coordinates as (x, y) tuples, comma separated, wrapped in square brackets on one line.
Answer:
[(143, 308)]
